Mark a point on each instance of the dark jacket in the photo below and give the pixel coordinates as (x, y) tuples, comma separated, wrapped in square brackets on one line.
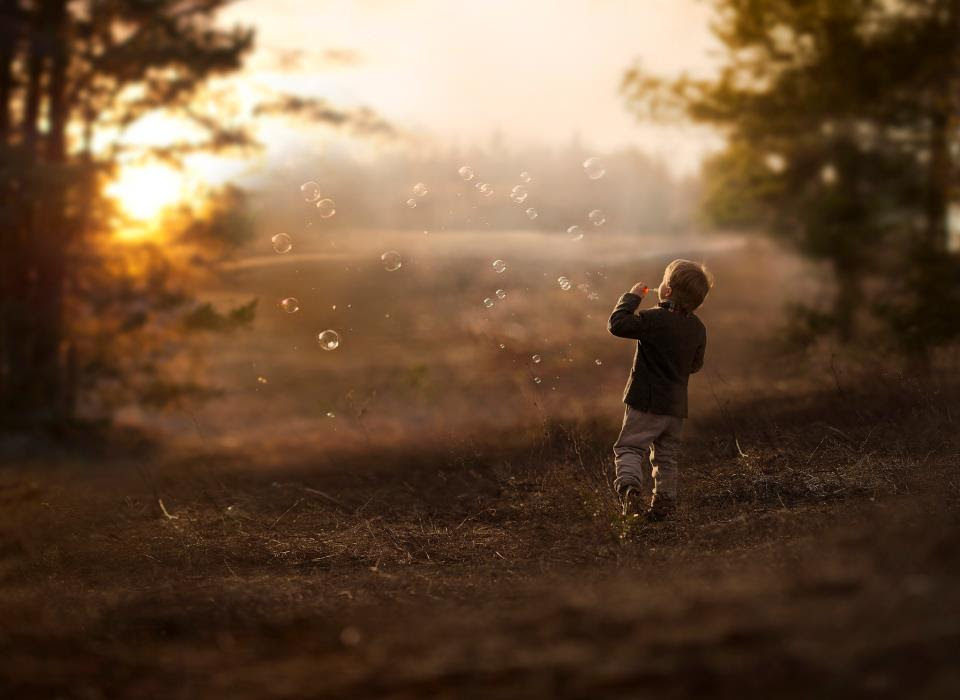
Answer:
[(669, 349)]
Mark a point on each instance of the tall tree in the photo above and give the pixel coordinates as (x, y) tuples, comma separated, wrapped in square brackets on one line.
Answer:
[(838, 115), (100, 65)]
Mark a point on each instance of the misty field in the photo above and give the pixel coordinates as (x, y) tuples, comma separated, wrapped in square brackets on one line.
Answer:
[(449, 531), (420, 356)]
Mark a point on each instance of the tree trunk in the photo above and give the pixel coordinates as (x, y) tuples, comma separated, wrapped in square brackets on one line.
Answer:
[(55, 244), (848, 301)]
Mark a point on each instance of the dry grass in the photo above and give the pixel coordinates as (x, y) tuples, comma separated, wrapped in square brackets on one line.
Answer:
[(497, 568)]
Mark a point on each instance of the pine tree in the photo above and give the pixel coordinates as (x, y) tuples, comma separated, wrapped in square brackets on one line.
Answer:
[(841, 118), (67, 71)]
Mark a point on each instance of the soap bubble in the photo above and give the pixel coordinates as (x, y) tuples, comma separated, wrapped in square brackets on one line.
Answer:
[(525, 176), (486, 190), (502, 346), (310, 190), (488, 302), (575, 233), (537, 380), (597, 362), (420, 189), (536, 359), (262, 380), (501, 294), (466, 172), (329, 340), (327, 208), (391, 261), (564, 283), (597, 217), (290, 305), (518, 194), (531, 213), (412, 203), (499, 266), (282, 243), (593, 167), (331, 414)]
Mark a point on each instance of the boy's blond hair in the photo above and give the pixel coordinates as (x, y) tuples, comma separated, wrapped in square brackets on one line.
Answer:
[(689, 283)]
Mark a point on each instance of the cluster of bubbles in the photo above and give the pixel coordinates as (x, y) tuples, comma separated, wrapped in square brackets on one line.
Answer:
[(419, 190), (588, 290), (311, 194), (391, 261)]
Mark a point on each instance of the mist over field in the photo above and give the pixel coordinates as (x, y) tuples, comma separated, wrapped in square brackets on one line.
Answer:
[(306, 382)]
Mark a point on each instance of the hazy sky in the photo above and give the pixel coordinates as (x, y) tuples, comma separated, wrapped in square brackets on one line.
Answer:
[(537, 70)]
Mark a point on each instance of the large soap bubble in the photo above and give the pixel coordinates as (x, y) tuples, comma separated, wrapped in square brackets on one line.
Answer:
[(499, 266), (282, 243), (391, 261), (593, 167), (466, 172), (290, 305), (310, 190), (327, 208), (329, 340)]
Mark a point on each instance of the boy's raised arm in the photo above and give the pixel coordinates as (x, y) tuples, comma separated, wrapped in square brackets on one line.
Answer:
[(624, 322)]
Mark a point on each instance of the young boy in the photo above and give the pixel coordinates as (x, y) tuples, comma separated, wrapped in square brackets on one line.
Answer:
[(670, 347)]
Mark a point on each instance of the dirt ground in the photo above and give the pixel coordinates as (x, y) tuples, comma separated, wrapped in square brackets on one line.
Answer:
[(816, 554)]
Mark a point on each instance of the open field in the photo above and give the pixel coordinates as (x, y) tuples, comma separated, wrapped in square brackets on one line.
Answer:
[(421, 357), (823, 562), (451, 532)]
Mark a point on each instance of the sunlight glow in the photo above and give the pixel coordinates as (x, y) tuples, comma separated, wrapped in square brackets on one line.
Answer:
[(143, 192)]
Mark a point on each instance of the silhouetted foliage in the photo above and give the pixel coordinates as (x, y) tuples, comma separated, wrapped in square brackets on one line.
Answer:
[(842, 120)]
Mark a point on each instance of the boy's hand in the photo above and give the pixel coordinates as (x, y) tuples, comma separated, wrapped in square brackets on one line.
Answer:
[(640, 289)]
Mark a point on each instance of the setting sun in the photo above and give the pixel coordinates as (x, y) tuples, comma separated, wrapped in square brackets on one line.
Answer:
[(143, 192)]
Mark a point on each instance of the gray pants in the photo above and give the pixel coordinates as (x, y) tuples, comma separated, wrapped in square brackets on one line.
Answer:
[(647, 452)]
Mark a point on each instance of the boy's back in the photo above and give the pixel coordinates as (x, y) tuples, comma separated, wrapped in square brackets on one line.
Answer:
[(671, 342), (670, 348)]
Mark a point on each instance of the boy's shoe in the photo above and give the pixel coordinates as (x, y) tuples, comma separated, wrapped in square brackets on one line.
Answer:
[(661, 508), (631, 501)]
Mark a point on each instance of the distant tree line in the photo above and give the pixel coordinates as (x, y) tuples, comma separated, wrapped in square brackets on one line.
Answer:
[(639, 193)]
